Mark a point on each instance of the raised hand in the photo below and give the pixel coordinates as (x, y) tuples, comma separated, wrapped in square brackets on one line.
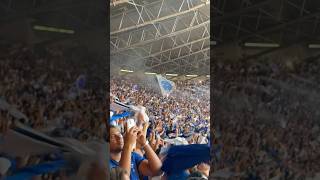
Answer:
[(152, 140), (141, 139), (145, 128), (131, 137)]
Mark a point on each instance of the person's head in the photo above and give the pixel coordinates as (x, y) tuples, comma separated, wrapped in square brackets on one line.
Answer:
[(116, 140)]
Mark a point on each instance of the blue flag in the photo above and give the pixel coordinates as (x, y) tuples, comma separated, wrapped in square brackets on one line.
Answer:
[(180, 158), (165, 85)]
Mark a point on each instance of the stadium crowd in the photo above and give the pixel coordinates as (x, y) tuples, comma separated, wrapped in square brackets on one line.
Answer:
[(181, 118), (40, 91), (268, 124)]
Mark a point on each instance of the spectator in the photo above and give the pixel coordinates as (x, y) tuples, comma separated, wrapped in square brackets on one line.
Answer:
[(39, 89), (122, 154), (172, 120)]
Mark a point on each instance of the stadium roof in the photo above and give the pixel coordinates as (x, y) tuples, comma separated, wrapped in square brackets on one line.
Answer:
[(75, 25), (167, 36), (279, 23), (86, 18)]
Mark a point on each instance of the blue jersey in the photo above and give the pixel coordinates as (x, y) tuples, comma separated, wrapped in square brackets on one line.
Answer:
[(136, 159)]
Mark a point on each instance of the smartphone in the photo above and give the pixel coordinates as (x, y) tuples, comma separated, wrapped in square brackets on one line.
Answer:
[(130, 123)]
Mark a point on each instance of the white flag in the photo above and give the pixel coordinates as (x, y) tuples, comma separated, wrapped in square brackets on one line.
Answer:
[(165, 85)]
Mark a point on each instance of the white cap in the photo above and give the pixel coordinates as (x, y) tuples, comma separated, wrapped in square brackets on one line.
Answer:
[(4, 165)]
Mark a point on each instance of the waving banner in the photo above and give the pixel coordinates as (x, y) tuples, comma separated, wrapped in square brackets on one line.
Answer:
[(165, 85)]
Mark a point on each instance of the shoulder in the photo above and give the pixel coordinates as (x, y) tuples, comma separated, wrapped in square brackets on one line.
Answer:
[(137, 158), (136, 155)]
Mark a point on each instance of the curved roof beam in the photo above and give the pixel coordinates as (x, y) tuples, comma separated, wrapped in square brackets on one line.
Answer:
[(181, 68), (181, 57), (170, 50), (156, 38), (152, 21)]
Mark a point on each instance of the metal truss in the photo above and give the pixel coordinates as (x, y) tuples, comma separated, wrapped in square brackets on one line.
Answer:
[(259, 30), (174, 37), (164, 43), (224, 16), (266, 21), (38, 7), (145, 37), (194, 61), (150, 14), (200, 67), (285, 25), (169, 60), (167, 64)]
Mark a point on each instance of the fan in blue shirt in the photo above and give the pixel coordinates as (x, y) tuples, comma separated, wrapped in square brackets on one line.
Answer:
[(136, 159), (122, 155)]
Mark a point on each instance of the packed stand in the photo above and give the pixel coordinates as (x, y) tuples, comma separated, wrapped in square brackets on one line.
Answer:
[(267, 125), (181, 118), (39, 91)]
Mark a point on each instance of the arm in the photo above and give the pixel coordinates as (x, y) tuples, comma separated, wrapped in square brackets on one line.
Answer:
[(152, 141), (130, 139), (125, 161), (139, 146), (151, 166)]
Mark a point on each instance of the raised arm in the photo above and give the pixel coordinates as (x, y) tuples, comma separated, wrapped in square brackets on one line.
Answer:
[(130, 139), (151, 166)]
